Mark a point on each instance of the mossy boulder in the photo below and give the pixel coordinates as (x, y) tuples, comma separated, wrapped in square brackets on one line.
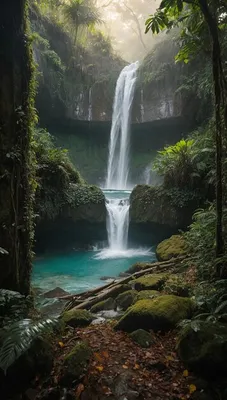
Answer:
[(173, 247), (142, 338), (118, 289), (175, 285), (77, 318), (147, 294), (126, 299), (149, 282), (159, 314), (76, 363), (202, 346), (108, 304)]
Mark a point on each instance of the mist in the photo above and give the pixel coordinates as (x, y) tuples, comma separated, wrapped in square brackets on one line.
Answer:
[(124, 23)]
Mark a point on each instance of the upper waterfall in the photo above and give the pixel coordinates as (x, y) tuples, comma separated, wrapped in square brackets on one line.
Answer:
[(118, 161)]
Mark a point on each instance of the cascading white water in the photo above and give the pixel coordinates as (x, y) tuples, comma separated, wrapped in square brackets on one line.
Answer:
[(147, 175), (90, 105), (117, 224), (141, 106), (117, 195), (118, 162)]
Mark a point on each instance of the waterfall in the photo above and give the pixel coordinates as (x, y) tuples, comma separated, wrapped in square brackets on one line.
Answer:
[(118, 161), (90, 105), (141, 106), (116, 194), (117, 224), (147, 174)]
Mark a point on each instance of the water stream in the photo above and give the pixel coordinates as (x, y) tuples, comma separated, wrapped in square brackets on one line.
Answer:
[(118, 161)]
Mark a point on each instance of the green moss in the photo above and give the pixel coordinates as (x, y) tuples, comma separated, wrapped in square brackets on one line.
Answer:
[(151, 281), (126, 299), (161, 313), (76, 361), (175, 285), (173, 247), (142, 338), (148, 294), (118, 289), (202, 346), (77, 318), (108, 304)]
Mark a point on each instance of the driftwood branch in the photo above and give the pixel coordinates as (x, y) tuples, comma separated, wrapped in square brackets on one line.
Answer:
[(87, 299)]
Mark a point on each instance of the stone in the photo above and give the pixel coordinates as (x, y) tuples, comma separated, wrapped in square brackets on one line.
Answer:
[(126, 299), (108, 304), (173, 247), (149, 282), (202, 346), (159, 314), (175, 285), (57, 292), (13, 306), (77, 318), (76, 363), (142, 338), (147, 294)]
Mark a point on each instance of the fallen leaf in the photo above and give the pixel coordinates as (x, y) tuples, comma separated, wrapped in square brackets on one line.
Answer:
[(99, 368), (106, 390), (136, 366), (61, 344), (125, 366), (105, 354), (79, 390), (98, 357), (185, 373), (192, 388)]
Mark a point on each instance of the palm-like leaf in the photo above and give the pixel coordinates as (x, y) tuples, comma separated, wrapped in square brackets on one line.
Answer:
[(18, 337), (81, 13)]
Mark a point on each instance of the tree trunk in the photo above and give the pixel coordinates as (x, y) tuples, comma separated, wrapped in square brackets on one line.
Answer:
[(220, 100), (15, 120)]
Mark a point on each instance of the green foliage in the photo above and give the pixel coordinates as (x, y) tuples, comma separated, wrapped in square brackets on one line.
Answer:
[(189, 164), (201, 241), (55, 176), (18, 337)]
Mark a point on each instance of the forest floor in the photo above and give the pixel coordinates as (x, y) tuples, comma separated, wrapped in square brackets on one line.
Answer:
[(120, 369)]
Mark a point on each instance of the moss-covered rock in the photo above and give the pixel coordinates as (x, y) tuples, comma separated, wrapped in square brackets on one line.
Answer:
[(175, 285), (147, 294), (156, 209), (77, 318), (108, 304), (118, 289), (126, 299), (161, 313), (149, 282), (76, 362), (202, 346), (173, 247), (142, 337)]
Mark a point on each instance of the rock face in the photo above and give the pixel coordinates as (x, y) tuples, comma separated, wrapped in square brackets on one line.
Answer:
[(173, 247), (155, 215), (202, 347), (159, 314), (79, 224)]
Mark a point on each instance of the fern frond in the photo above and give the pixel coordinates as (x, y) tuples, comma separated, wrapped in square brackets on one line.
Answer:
[(18, 337)]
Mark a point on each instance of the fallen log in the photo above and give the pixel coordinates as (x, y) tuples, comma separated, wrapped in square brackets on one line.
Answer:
[(88, 301)]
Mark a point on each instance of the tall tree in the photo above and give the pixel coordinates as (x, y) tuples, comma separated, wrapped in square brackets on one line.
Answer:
[(212, 13), (15, 140)]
